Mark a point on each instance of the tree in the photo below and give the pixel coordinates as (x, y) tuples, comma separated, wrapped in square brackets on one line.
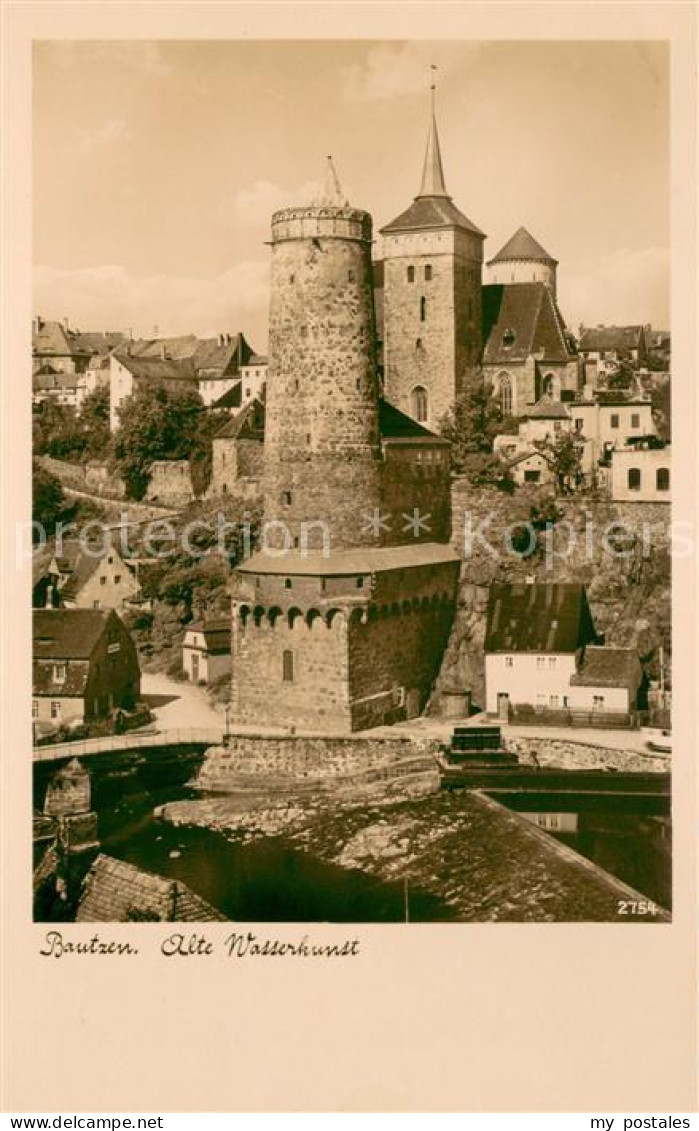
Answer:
[(156, 423), (473, 423), (565, 454), (622, 377), (49, 504), (94, 423), (57, 432)]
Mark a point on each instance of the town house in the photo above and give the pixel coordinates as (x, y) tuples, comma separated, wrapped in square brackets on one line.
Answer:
[(84, 666), (543, 654)]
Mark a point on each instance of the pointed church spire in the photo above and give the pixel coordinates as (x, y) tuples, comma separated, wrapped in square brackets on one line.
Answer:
[(330, 194), (433, 173)]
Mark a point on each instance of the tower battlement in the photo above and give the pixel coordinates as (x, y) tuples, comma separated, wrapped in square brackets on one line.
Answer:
[(321, 222)]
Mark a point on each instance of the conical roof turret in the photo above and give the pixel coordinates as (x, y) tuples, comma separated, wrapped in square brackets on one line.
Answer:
[(330, 194)]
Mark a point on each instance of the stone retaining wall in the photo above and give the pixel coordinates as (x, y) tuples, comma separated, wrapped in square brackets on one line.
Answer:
[(250, 760), (566, 755)]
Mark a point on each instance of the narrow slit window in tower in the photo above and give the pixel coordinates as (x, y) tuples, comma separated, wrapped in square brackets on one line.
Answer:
[(428, 272), (411, 274), (423, 308), (288, 666)]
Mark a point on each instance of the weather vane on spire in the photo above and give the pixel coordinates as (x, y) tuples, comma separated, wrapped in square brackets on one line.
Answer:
[(433, 84)]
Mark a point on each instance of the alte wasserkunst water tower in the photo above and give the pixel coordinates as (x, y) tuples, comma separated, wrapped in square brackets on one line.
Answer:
[(340, 620)]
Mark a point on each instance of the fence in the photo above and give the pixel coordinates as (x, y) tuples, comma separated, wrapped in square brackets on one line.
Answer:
[(570, 718)]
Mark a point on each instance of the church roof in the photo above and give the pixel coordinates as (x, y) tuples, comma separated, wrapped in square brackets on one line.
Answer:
[(431, 212), (432, 170), (522, 245), (521, 319), (433, 206)]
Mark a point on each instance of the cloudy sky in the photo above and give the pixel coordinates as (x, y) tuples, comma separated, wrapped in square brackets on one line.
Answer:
[(157, 166)]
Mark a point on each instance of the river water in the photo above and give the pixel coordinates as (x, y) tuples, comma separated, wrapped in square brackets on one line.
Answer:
[(264, 881), (268, 880)]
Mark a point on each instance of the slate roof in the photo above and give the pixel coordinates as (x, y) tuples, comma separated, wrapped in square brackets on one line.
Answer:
[(233, 398), (431, 212), (527, 454), (609, 667), (225, 359), (68, 634), (53, 338), (538, 618), (546, 408), (522, 245), (115, 892), (247, 425), (79, 565), (178, 348), (528, 311), (256, 359), (216, 633), (346, 563), (396, 425), (101, 342), (157, 368), (611, 337), (48, 378)]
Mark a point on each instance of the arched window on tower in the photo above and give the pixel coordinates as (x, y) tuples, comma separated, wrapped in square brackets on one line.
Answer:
[(423, 308), (505, 388), (420, 403), (411, 274), (428, 272)]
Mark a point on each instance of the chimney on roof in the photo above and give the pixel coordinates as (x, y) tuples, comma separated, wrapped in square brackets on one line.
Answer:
[(65, 324)]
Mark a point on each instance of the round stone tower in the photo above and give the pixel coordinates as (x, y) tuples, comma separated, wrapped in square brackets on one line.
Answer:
[(322, 444)]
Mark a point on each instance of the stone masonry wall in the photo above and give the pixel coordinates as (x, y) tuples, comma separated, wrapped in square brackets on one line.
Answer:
[(316, 697), (394, 660), (301, 757), (437, 351), (236, 467), (170, 482), (416, 478), (322, 452)]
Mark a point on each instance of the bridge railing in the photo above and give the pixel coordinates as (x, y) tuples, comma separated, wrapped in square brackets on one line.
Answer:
[(118, 743)]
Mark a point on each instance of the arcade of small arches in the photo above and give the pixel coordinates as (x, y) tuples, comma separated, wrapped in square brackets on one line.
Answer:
[(259, 615)]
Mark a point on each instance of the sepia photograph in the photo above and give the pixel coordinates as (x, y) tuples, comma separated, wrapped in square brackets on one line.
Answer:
[(352, 478)]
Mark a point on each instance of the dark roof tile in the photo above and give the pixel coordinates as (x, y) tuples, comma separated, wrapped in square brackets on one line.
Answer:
[(431, 212), (538, 618), (522, 245), (609, 667), (522, 319)]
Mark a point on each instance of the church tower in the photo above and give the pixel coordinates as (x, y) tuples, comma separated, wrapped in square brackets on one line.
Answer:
[(432, 263)]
